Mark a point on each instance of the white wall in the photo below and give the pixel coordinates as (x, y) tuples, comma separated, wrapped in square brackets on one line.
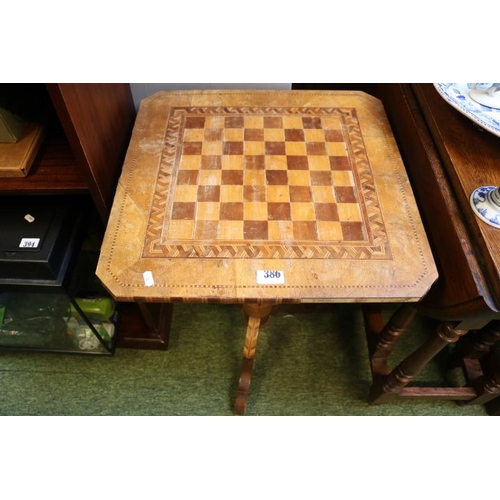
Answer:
[(142, 90)]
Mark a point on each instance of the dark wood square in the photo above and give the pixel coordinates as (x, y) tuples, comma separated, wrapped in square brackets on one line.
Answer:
[(254, 162), (345, 194), (352, 231), (211, 162), (277, 177), (232, 148), (231, 211), (254, 193), (326, 211), (253, 134), (294, 134), (255, 230), (232, 177), (320, 178), (208, 193), (305, 230), (300, 193), (278, 211), (187, 177), (233, 122), (316, 148), (195, 122), (273, 122), (275, 148), (183, 211), (191, 148), (297, 162)]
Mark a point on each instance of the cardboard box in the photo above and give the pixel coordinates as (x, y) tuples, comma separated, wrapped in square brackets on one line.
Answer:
[(11, 126), (17, 158)]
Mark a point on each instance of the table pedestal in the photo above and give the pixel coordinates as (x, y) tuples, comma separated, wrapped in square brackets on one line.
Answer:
[(257, 315)]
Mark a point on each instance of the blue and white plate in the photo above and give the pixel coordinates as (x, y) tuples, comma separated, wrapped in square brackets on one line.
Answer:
[(457, 94), (483, 204)]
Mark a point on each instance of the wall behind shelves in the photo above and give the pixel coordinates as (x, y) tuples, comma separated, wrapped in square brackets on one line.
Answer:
[(142, 90)]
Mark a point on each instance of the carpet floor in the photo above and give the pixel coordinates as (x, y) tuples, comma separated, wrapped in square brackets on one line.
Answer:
[(308, 363)]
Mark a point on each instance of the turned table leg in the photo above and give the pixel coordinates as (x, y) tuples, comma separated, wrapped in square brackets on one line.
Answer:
[(257, 315), (387, 386), (486, 376), (382, 338), (476, 346)]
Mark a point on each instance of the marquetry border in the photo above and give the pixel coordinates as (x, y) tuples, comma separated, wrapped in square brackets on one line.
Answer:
[(376, 245)]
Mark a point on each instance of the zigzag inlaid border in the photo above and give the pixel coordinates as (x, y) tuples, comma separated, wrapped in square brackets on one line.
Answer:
[(376, 245)]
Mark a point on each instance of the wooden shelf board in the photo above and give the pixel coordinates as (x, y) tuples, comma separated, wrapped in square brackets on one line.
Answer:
[(54, 170)]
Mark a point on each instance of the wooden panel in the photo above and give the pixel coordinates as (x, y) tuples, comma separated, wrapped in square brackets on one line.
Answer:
[(98, 120)]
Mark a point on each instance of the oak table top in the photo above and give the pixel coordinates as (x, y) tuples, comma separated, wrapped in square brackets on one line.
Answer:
[(264, 196)]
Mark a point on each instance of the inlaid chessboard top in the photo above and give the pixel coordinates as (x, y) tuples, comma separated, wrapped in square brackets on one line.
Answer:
[(219, 187)]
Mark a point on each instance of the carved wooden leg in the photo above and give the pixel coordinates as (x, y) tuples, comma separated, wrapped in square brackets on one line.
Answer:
[(476, 346), (257, 314), (388, 386), (487, 389), (486, 376), (382, 339)]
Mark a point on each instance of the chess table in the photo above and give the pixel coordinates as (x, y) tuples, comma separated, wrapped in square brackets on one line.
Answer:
[(260, 198)]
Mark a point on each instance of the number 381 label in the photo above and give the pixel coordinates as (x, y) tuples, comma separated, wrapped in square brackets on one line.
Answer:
[(29, 243), (266, 277)]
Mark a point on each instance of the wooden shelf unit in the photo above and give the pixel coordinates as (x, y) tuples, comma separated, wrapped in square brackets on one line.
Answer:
[(88, 128)]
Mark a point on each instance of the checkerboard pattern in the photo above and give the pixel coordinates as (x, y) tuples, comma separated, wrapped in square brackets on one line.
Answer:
[(251, 177), (264, 183)]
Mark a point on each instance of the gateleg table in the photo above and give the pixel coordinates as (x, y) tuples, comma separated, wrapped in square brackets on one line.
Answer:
[(260, 198)]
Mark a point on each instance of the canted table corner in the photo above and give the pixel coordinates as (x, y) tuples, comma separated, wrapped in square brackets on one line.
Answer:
[(264, 197)]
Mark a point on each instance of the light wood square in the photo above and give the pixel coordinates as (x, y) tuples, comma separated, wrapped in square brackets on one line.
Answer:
[(336, 149), (209, 177), (299, 178), (253, 121), (295, 148), (314, 135), (280, 230), (193, 135), (274, 134), (319, 163), (185, 193), (207, 210), (211, 148), (214, 122), (232, 162), (278, 194), (233, 134), (231, 193), (254, 148), (292, 122), (254, 178), (255, 210), (323, 194), (180, 229), (342, 178), (275, 162), (230, 230), (190, 162), (329, 231), (302, 211), (349, 212), (331, 122)]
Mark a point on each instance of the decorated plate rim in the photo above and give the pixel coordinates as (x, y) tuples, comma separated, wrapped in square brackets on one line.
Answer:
[(457, 95)]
